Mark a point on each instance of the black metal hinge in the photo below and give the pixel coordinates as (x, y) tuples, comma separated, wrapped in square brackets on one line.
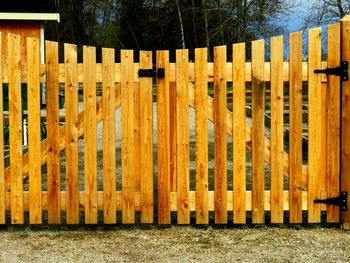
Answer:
[(341, 201), (152, 73), (341, 71)]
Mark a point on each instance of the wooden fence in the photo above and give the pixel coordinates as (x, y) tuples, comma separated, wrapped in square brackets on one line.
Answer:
[(157, 186)]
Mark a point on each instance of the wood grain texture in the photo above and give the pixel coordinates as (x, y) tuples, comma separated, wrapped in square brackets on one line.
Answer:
[(173, 136), (201, 119), (34, 132), (71, 132), (15, 123), (333, 121), (258, 127), (220, 147), (146, 141), (315, 151), (276, 129), (2, 166), (182, 134), (90, 151), (53, 133), (163, 130), (345, 120), (295, 122), (128, 139), (239, 134), (137, 136), (109, 147)]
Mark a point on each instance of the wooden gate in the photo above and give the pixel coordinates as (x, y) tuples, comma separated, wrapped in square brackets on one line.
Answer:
[(229, 141)]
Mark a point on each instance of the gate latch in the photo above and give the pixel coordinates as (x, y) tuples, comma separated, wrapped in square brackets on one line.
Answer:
[(152, 73), (341, 71), (341, 201)]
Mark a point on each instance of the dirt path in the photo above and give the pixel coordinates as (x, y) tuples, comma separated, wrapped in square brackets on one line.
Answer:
[(176, 244)]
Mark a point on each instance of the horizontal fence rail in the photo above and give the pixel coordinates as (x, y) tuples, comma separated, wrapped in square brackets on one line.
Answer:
[(195, 140)]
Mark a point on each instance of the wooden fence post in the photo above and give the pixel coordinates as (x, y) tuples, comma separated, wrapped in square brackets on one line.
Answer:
[(345, 120)]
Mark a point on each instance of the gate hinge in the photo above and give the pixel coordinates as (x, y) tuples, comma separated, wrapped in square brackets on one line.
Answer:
[(341, 71), (152, 73), (341, 201)]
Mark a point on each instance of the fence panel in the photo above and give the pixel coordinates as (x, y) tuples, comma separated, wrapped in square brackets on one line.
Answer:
[(201, 108), (333, 122), (220, 148), (90, 152), (295, 130), (239, 135), (109, 145), (128, 143), (146, 140), (276, 129), (15, 124), (258, 124), (163, 139), (71, 129), (34, 131)]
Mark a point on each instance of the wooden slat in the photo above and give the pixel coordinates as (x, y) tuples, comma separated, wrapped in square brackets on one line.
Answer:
[(345, 120), (239, 135), (333, 122), (295, 122), (15, 121), (173, 130), (2, 172), (53, 158), (182, 134), (258, 125), (276, 129), (201, 108), (315, 151), (163, 131), (34, 133), (220, 147), (109, 147), (128, 142), (137, 131), (90, 152), (146, 140), (71, 128)]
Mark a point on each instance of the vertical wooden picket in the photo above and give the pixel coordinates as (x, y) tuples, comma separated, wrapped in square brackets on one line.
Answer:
[(34, 134), (258, 127), (295, 131), (71, 102), (15, 121), (2, 172), (315, 151), (90, 152), (333, 122), (182, 134), (239, 134), (128, 143), (163, 126), (220, 148), (146, 140), (173, 130), (345, 121), (277, 129), (201, 107), (137, 136), (109, 148), (52, 112)]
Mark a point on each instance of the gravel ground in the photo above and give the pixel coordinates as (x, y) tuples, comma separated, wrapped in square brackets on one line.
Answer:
[(175, 244)]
